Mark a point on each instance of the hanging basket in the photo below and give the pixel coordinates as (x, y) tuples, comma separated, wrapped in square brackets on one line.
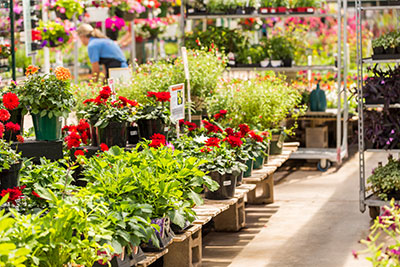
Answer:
[(128, 16), (113, 35), (96, 14), (46, 129)]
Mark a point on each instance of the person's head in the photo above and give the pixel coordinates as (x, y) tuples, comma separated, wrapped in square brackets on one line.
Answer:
[(85, 32)]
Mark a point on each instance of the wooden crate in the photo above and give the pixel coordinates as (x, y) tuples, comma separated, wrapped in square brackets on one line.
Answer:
[(317, 137)]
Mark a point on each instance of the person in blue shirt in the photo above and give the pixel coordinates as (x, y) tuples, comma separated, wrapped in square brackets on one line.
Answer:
[(101, 50)]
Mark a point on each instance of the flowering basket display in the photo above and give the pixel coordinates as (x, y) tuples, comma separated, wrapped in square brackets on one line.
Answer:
[(113, 26), (110, 115), (150, 28), (54, 33), (66, 9), (127, 9), (5, 51), (47, 97)]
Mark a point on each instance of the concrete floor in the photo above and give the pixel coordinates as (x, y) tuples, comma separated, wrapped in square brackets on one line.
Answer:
[(315, 221)]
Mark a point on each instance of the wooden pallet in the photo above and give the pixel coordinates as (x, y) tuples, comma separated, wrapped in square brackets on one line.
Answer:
[(186, 249), (263, 178)]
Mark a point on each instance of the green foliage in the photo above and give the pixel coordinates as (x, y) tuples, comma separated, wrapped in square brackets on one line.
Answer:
[(279, 48), (8, 156), (263, 102), (255, 54), (385, 180), (46, 95), (389, 40), (53, 33), (71, 7)]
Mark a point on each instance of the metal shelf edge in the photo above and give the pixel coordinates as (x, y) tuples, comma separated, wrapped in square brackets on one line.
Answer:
[(233, 16)]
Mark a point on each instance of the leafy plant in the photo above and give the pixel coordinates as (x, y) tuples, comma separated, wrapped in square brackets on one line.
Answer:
[(385, 180), (69, 7), (47, 94), (8, 156), (255, 54)]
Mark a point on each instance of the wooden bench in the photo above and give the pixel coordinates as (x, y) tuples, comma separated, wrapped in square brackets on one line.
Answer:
[(152, 257)]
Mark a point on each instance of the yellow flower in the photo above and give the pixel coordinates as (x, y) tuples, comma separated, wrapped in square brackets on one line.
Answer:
[(62, 73)]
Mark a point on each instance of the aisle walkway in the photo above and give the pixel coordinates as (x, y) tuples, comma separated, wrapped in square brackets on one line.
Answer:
[(315, 221)]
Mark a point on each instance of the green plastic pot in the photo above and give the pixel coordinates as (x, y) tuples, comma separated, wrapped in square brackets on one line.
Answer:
[(277, 144), (46, 129), (249, 164), (258, 163)]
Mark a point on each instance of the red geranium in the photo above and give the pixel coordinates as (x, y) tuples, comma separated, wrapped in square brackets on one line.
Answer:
[(206, 149), (73, 140), (190, 125), (79, 153), (244, 129), (104, 147), (234, 141), (105, 93), (35, 194), (1, 130), (157, 140), (221, 114), (160, 96), (14, 194), (229, 131), (255, 136), (213, 141), (10, 101), (211, 128), (20, 138), (14, 127), (4, 115), (82, 126)]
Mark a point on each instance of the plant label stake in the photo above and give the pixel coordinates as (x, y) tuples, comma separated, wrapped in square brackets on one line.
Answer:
[(177, 105), (187, 75), (111, 84)]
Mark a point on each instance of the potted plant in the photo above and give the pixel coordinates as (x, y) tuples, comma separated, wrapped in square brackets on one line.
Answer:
[(10, 102), (47, 97), (10, 165), (153, 115), (113, 26), (280, 6), (99, 10), (378, 45), (384, 181), (195, 7), (304, 6), (265, 7), (110, 115), (216, 7), (251, 56), (66, 9), (127, 9), (54, 33), (5, 51), (150, 28)]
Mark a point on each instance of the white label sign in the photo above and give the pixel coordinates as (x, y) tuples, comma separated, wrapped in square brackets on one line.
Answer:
[(177, 101), (185, 63), (111, 84)]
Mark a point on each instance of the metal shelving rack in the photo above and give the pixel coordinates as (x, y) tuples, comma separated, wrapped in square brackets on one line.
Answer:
[(372, 201), (10, 5), (325, 155)]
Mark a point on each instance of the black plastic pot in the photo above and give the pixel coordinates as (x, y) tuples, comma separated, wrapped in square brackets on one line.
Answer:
[(16, 117), (240, 11), (179, 230), (10, 178), (276, 145), (369, 100), (114, 134), (287, 62), (378, 50), (390, 50), (32, 149), (133, 135), (113, 35), (149, 127), (398, 49), (249, 10), (227, 184), (129, 260)]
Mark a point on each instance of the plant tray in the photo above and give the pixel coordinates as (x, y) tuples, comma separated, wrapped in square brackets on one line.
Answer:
[(128, 261), (386, 56)]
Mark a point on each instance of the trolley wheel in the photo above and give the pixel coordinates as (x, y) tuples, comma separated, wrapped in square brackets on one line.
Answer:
[(374, 212), (323, 165)]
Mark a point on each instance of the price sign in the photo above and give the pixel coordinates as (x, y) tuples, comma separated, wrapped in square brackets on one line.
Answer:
[(111, 84), (177, 105)]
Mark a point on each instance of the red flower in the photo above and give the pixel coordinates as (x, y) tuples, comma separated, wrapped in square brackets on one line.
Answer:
[(157, 140), (229, 131), (223, 112), (82, 126), (90, 100), (206, 149), (220, 114), (14, 127), (191, 125), (160, 96), (4, 115), (123, 99), (211, 128), (79, 153), (10, 101), (181, 122), (14, 194), (255, 136), (133, 103), (73, 140), (234, 141), (20, 138), (1, 130), (35, 194), (105, 93), (213, 141), (84, 137), (244, 129), (104, 147)]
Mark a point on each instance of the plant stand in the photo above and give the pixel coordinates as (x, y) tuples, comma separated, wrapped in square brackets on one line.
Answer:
[(150, 258), (52, 150), (234, 218), (265, 184), (186, 249)]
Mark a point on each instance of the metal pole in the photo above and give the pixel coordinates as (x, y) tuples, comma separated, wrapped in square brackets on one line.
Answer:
[(133, 45), (181, 40), (12, 16), (339, 83), (76, 52), (345, 65), (46, 50)]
